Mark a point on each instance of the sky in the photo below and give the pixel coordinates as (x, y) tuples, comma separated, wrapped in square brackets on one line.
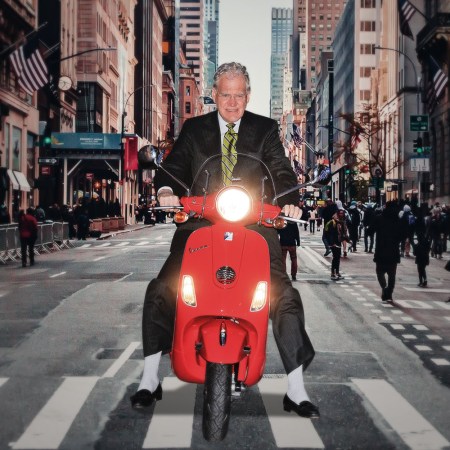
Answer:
[(244, 37)]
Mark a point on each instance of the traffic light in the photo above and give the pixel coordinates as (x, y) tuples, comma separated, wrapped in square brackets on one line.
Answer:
[(418, 146)]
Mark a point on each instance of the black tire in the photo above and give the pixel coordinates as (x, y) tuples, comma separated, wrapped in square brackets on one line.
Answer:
[(216, 401)]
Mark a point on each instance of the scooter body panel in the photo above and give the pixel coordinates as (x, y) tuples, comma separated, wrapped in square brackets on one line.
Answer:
[(226, 262)]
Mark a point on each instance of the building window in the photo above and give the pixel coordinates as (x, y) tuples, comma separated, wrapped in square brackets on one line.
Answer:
[(368, 3), (364, 72), (188, 108), (367, 49), (367, 25), (364, 95), (188, 91)]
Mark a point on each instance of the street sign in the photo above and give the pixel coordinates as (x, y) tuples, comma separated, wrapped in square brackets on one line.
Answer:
[(418, 123), (420, 164), (48, 161)]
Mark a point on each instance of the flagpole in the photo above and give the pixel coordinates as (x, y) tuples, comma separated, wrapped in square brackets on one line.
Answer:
[(24, 38)]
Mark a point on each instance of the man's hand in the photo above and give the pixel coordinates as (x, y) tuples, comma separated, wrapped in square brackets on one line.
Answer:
[(167, 198), (292, 211)]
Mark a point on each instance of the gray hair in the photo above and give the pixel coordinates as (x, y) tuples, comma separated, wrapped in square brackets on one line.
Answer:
[(232, 68)]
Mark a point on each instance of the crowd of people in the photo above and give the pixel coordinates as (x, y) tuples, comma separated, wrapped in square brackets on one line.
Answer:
[(396, 230)]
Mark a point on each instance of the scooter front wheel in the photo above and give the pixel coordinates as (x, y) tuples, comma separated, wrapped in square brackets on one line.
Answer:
[(216, 401)]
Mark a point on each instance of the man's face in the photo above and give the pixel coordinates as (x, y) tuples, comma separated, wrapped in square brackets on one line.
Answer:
[(231, 97)]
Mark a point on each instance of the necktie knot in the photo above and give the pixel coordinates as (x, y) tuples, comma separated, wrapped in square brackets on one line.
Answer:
[(230, 127)]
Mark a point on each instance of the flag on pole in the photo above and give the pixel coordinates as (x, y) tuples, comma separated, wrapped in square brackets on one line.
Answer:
[(355, 139), (297, 136), (436, 84), (405, 11), (29, 67)]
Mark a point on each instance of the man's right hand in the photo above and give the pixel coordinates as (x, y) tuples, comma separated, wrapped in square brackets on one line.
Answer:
[(166, 198)]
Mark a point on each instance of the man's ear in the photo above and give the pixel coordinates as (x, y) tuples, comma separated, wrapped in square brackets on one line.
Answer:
[(214, 95)]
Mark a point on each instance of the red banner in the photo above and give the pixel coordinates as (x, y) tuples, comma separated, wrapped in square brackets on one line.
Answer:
[(131, 152)]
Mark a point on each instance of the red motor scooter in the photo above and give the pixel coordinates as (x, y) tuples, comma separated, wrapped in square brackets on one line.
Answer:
[(223, 298)]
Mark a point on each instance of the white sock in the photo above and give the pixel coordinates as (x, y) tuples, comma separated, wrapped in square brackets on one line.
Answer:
[(150, 378), (296, 388)]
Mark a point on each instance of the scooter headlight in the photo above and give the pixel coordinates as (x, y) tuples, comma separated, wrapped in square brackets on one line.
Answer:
[(233, 204), (188, 291), (259, 297)]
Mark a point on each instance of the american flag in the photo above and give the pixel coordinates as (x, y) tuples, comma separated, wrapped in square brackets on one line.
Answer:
[(405, 11), (29, 67), (355, 139), (436, 85), (297, 136)]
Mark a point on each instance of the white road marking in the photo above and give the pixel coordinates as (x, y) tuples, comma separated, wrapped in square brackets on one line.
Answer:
[(434, 337), (121, 244), (105, 244), (313, 257), (142, 243), (123, 278), (412, 427), (446, 347), (85, 246), (49, 427), (168, 428), (397, 326), (121, 360), (289, 429), (423, 348), (421, 327), (57, 274), (440, 361), (387, 318), (3, 381), (443, 291), (409, 336), (99, 258)]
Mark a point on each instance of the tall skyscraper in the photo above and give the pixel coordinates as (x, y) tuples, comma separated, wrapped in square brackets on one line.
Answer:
[(279, 59), (211, 42), (191, 30)]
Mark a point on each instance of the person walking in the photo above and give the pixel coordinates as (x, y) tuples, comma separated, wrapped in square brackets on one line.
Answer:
[(353, 225), (407, 228), (312, 220), (422, 253), (289, 241), (28, 229), (336, 233), (327, 214), (387, 251), (199, 138), (369, 230), (436, 230)]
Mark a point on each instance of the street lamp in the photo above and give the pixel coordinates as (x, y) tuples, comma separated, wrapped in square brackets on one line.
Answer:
[(378, 47)]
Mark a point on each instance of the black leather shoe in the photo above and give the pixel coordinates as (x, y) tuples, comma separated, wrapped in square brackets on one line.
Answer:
[(144, 398), (304, 409)]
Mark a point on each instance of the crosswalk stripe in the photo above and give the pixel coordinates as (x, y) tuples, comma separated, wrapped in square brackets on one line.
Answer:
[(121, 244), (118, 363), (421, 304), (439, 291), (412, 427), (169, 430), (49, 427), (288, 429), (3, 381), (142, 243), (105, 244)]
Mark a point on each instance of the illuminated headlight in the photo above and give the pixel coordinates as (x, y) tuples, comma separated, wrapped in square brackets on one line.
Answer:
[(233, 204), (259, 297), (188, 291)]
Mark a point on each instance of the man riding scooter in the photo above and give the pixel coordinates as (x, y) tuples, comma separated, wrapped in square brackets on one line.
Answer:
[(229, 129)]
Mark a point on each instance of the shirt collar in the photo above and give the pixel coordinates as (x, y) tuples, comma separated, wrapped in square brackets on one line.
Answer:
[(223, 125)]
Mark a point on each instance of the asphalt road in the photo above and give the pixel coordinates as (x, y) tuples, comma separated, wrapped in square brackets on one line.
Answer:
[(71, 355)]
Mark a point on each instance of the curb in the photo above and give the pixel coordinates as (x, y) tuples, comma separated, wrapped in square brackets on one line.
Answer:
[(109, 235)]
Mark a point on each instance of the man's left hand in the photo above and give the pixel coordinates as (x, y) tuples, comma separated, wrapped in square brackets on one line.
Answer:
[(292, 211)]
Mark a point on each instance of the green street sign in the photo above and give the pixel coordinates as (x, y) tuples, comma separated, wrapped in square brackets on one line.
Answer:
[(418, 123)]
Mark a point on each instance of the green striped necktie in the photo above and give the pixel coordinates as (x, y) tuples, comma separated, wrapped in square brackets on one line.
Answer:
[(229, 155)]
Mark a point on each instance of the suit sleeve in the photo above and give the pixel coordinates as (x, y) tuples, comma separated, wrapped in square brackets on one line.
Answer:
[(178, 163), (280, 167)]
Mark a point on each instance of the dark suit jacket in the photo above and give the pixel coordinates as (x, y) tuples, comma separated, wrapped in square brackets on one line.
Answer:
[(200, 138)]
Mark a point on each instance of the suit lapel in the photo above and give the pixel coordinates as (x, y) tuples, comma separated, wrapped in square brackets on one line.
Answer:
[(211, 135)]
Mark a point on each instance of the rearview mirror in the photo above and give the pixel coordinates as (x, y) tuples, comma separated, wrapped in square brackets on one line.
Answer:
[(148, 157)]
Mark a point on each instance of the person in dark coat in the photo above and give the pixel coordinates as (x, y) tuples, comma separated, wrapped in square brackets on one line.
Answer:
[(336, 233), (369, 230), (353, 225), (28, 229), (289, 241), (387, 251), (422, 253), (83, 224), (326, 215)]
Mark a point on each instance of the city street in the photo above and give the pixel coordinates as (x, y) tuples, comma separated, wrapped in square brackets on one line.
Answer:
[(71, 356)]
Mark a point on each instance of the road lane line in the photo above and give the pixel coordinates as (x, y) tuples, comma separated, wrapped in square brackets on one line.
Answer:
[(142, 243), (443, 291), (49, 427), (169, 428), (289, 429), (121, 360), (3, 381), (123, 278), (99, 258), (121, 244), (57, 274), (105, 244), (412, 427), (319, 258)]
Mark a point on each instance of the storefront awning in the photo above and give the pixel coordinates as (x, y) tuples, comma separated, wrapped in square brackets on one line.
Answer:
[(23, 182), (13, 179)]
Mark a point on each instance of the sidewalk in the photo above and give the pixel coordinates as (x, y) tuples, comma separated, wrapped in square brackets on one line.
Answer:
[(128, 229)]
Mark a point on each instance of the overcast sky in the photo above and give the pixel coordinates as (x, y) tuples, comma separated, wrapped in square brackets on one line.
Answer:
[(244, 36)]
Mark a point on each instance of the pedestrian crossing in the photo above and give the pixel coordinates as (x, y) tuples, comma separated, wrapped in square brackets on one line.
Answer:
[(173, 420)]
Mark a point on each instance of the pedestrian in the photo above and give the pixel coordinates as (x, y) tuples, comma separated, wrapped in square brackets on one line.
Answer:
[(199, 138), (387, 251), (5, 218), (327, 214), (83, 224), (28, 230), (347, 222), (289, 241), (422, 253), (437, 232), (407, 228), (312, 219), (40, 214), (369, 227), (353, 225), (337, 233)]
